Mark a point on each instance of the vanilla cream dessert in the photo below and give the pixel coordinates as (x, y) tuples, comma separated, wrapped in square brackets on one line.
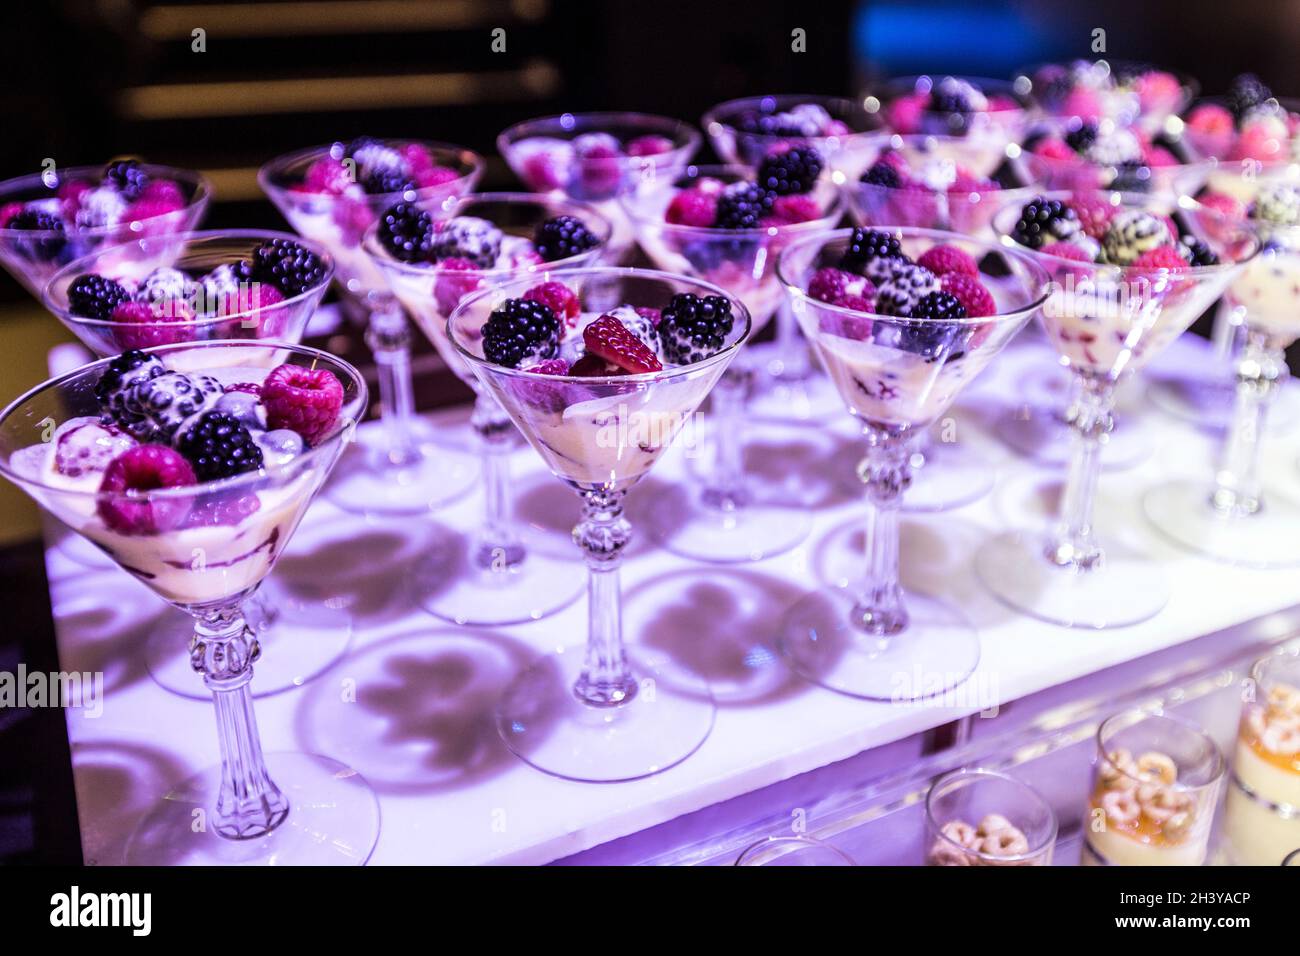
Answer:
[(1105, 328), (1262, 818)]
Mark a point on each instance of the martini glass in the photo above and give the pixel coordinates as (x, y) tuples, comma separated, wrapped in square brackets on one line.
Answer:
[(308, 633), (1265, 136), (404, 472), (1106, 322), (729, 519), (514, 573), (204, 548), (606, 713), (992, 111), (599, 158), (1129, 94), (745, 131), (1227, 515), (947, 183), (897, 376)]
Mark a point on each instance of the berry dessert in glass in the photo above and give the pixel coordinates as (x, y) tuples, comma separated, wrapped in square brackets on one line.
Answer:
[(1249, 123), (981, 817), (726, 225), (1078, 154), (599, 158), (1129, 275), (899, 341), (1228, 515), (1156, 780), (841, 135), (992, 111), (601, 399), (49, 219), (1262, 817), (332, 195), (197, 502), (1127, 94), (513, 572), (191, 287), (954, 184)]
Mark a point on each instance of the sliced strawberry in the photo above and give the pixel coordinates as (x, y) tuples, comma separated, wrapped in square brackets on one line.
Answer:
[(611, 340)]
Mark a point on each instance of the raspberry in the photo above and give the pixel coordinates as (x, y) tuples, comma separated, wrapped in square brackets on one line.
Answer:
[(1049, 147), (288, 265), (1224, 204), (550, 367), (790, 172), (789, 210), (942, 260), (560, 299), (837, 286), (1161, 257), (563, 237), (519, 333), (457, 278), (541, 172), (971, 293), (614, 342), (548, 396), (1082, 103), (693, 328), (906, 113), (692, 207), (406, 231), (162, 195), (435, 176), (1093, 212), (94, 296), (219, 446), (11, 209), (1157, 156), (145, 324), (859, 304), (1066, 250), (328, 175), (1211, 119), (142, 469), (304, 400), (415, 157), (649, 145)]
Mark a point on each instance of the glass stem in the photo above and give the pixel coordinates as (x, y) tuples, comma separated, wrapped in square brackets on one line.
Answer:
[(496, 546), (886, 472), (1073, 543), (603, 533), (725, 489), (1237, 491), (223, 650), (791, 350), (388, 335)]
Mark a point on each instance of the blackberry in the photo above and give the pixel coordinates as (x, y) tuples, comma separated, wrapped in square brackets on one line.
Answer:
[(1245, 93), (693, 328), (520, 333), (791, 172), (1044, 220), (883, 174), (1080, 139), (774, 124), (1196, 252), (468, 237), (930, 340), (406, 231), (705, 255), (93, 296), (743, 206), (45, 248), (164, 402), (867, 245), (950, 98), (383, 181), (219, 446), (119, 378), (939, 305), (288, 265), (563, 236), (129, 178), (904, 289)]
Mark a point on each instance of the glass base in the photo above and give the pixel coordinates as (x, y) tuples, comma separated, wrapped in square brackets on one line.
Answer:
[(1182, 512), (681, 522), (299, 639), (333, 820), (1209, 402), (547, 726), (1123, 589), (548, 578), (365, 481), (820, 641), (1041, 435)]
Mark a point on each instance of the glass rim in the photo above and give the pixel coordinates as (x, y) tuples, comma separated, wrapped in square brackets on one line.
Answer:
[(797, 290), (1191, 87), (60, 309), (643, 218), (189, 491), (971, 773), (800, 838), (640, 378), (847, 104), (201, 195), (898, 86), (270, 171), (1128, 200), (1135, 716), (372, 247), (1281, 654), (686, 138)]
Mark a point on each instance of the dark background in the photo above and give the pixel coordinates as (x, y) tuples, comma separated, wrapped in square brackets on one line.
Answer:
[(86, 80)]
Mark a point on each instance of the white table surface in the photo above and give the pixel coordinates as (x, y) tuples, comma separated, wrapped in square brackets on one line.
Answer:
[(418, 728)]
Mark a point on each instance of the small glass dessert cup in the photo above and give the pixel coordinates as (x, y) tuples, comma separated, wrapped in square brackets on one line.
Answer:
[(599, 158), (1262, 813), (332, 194), (845, 135), (1106, 323), (204, 547), (1082, 154), (190, 284), (792, 851), (1127, 94), (1248, 124), (990, 111), (947, 183), (897, 376), (981, 817), (1156, 780), (515, 573), (730, 519), (1228, 516), (606, 713)]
